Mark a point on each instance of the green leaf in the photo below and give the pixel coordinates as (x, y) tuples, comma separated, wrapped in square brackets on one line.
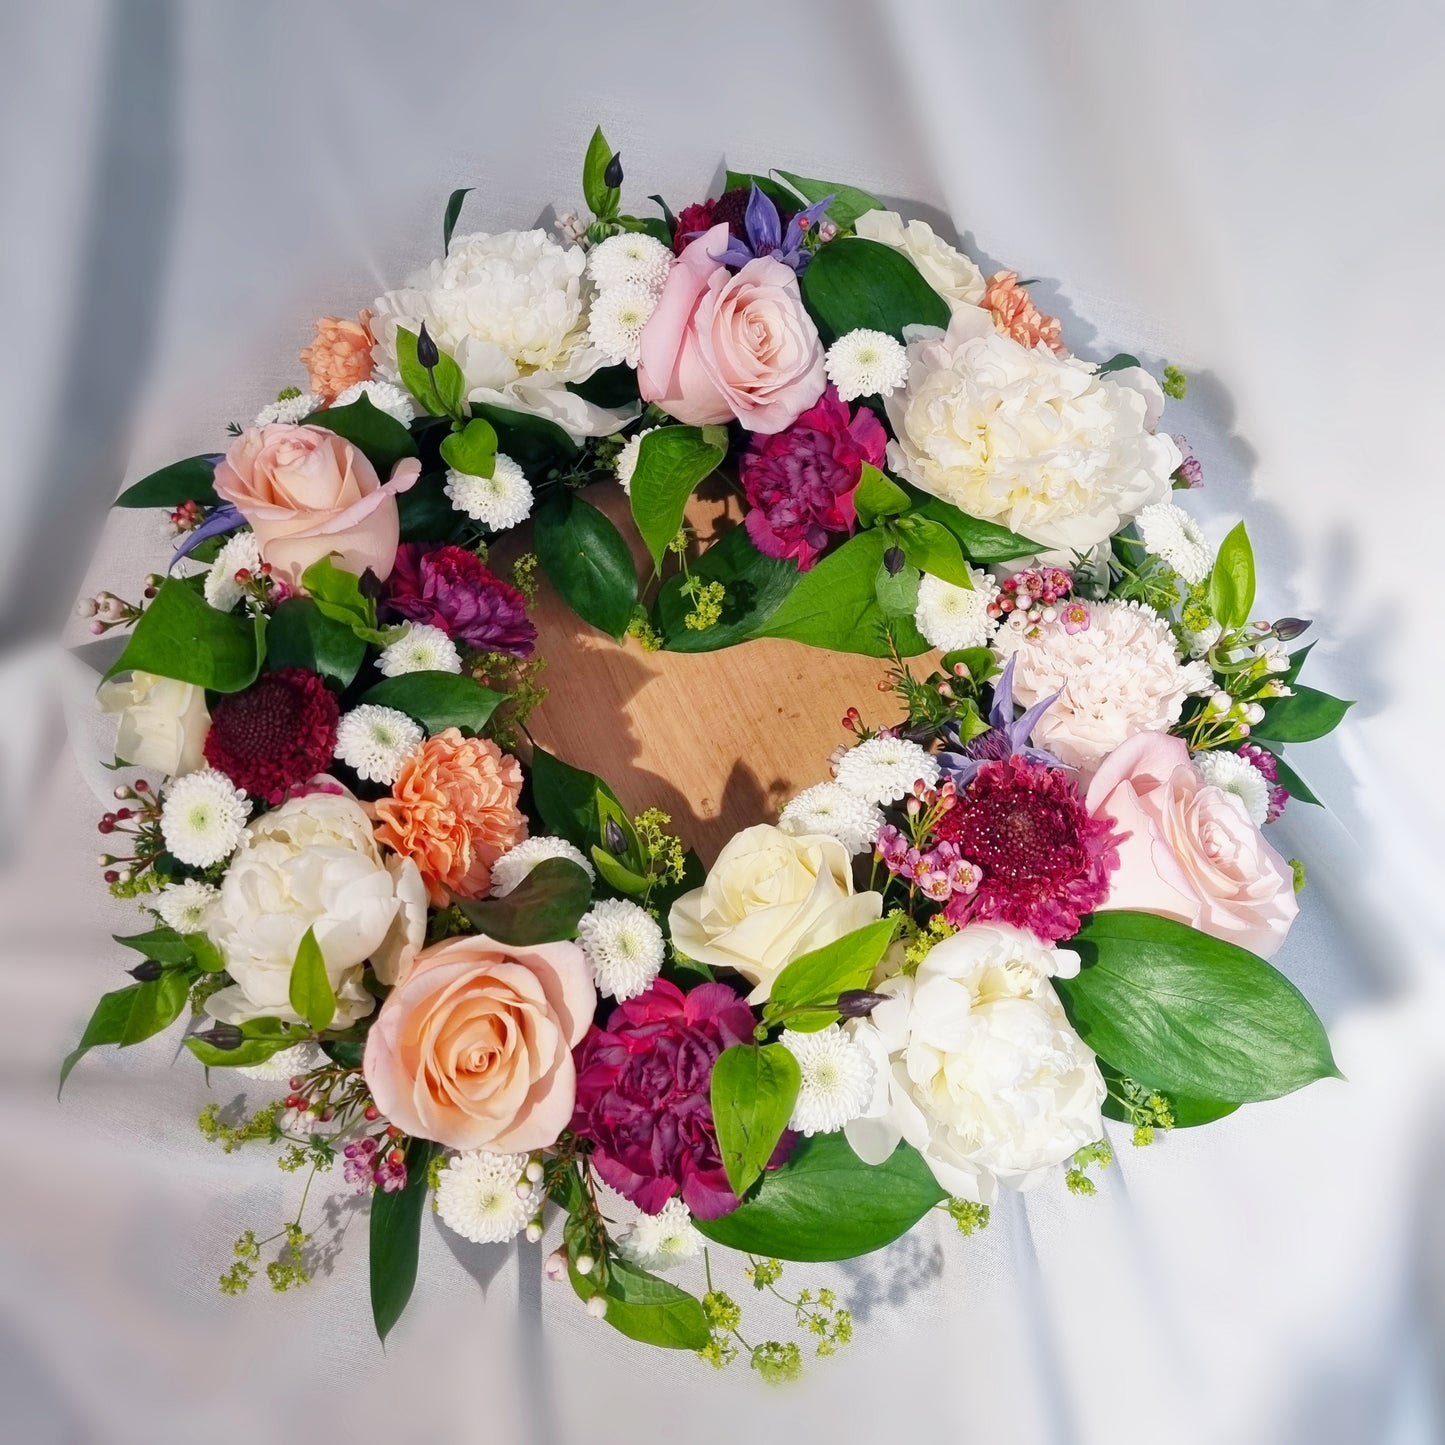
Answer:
[(755, 587), (645, 1308), (180, 635), (567, 797), (473, 450), (848, 201), (131, 1014), (754, 1089), (378, 434), (602, 199), (825, 1203), (337, 594), (1290, 779), (1307, 715), (443, 390), (533, 442), (247, 1053), (616, 872), (164, 945), (1119, 362), (612, 387), (427, 513), (779, 195), (206, 955), (897, 593), (191, 480), (820, 976), (301, 635), (1190, 1014), (1297, 661), (983, 543), (1188, 1113), (543, 908), (311, 993), (877, 496), (1231, 583), (587, 561), (853, 282), (438, 700), (932, 548), (453, 211), (670, 464), (835, 605), (396, 1239)]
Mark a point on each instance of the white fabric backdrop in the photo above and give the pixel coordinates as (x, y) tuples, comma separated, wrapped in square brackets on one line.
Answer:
[(1254, 197)]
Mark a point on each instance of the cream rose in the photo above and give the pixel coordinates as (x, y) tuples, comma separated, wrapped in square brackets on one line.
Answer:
[(313, 863), (163, 723), (769, 898), (1191, 850), (952, 274), (473, 1048)]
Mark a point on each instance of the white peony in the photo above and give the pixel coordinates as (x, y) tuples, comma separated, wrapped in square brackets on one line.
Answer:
[(511, 310), (163, 723), (1119, 676), (952, 274), (1017, 435), (977, 1066), (313, 863)]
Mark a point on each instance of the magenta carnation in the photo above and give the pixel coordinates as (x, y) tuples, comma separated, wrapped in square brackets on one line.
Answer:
[(643, 1095), (800, 482), (1045, 861), (450, 588)]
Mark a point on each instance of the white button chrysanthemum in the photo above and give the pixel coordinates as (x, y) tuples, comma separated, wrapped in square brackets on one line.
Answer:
[(298, 1059), (831, 809), (383, 396), (241, 550), (837, 1079), (866, 363), (1199, 643), (618, 316), (499, 501), (186, 906), (289, 410), (202, 817), (376, 741), (486, 1198), (631, 259), (1173, 536), (623, 945), (951, 617), (1239, 776), (516, 863), (627, 458), (884, 769), (424, 649), (658, 1241)]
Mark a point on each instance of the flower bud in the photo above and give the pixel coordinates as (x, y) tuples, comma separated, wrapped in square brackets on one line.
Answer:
[(145, 972), (535, 1171), (1288, 628), (612, 176), (858, 1003), (585, 1264), (597, 1307), (615, 837), (221, 1036), (426, 349), (556, 1266), (534, 1232), (893, 560)]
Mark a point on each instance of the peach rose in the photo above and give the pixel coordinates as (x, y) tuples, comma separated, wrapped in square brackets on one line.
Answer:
[(341, 354), (473, 1048), (721, 346), (453, 809), (308, 493), (1191, 851)]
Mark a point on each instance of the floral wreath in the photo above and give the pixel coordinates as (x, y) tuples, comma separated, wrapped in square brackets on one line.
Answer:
[(1037, 895)]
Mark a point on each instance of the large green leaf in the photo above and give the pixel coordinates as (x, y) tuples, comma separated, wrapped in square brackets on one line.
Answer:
[(248, 1052), (854, 283), (670, 464), (645, 1308), (191, 480), (396, 1239), (180, 635), (587, 561), (1188, 1113), (164, 945), (754, 1088), (755, 587), (1231, 582), (1307, 715), (1190, 1014), (533, 442), (983, 543), (543, 908), (848, 201), (128, 1015), (602, 198), (376, 433), (932, 548), (817, 978), (826, 1203), (567, 797), (301, 635), (310, 993), (438, 700), (442, 390)]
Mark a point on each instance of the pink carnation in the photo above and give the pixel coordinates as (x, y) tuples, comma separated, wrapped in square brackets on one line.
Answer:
[(1015, 315)]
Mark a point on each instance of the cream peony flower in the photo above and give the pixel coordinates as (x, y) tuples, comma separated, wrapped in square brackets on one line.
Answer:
[(952, 274), (163, 723), (313, 863), (511, 309), (1019, 436), (977, 1067), (1119, 676), (770, 897)]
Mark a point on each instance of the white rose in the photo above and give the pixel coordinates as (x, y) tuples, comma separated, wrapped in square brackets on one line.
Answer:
[(769, 898), (1017, 435), (313, 863), (977, 1067), (512, 310), (952, 274), (163, 723)]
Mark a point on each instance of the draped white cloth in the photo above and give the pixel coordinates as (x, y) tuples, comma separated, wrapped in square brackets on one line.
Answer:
[(1250, 193)]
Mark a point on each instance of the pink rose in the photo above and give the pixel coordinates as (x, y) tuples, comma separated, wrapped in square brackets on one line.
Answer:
[(1192, 851), (721, 346), (473, 1047), (308, 493)]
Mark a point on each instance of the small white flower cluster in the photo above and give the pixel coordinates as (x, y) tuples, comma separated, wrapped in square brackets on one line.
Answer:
[(838, 1075), (624, 947), (288, 410), (384, 396), (884, 769), (202, 817), (186, 907), (376, 741), (1239, 776), (629, 272), (242, 551), (423, 649), (516, 863), (499, 501), (1174, 537), (866, 363), (298, 1059), (627, 458), (489, 1198), (661, 1240), (951, 617), (832, 809)]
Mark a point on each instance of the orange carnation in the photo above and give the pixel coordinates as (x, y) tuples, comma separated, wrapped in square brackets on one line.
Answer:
[(340, 356), (1016, 316), (453, 810)]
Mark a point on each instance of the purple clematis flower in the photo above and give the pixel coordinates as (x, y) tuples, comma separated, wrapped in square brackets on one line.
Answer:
[(766, 237), (1007, 736)]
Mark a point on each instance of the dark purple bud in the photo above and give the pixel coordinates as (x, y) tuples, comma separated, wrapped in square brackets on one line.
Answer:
[(370, 585), (612, 176), (222, 1036), (615, 838), (426, 349), (893, 560), (146, 972), (858, 1003), (1288, 628)]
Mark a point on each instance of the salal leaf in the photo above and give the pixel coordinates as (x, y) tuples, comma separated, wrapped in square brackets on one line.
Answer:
[(567, 799), (587, 561), (191, 480), (852, 283), (301, 635), (754, 1088), (1291, 780), (438, 700), (670, 464), (473, 450), (311, 993), (848, 201), (983, 543), (396, 1239), (181, 636), (543, 908), (932, 548), (644, 1307), (377, 434), (453, 212), (1231, 583), (754, 585), (817, 978), (1307, 715)]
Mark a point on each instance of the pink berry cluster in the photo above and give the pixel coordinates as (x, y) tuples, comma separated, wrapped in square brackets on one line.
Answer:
[(186, 518), (138, 818), (1039, 593), (105, 610)]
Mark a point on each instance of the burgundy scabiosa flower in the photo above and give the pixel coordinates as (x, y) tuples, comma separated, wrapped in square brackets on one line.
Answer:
[(276, 734), (643, 1095), (800, 482), (451, 588), (1045, 861)]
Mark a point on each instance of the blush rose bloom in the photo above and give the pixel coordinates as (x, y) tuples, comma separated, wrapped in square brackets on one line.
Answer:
[(1191, 852), (308, 493), (720, 346), (163, 723), (473, 1048), (770, 897)]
